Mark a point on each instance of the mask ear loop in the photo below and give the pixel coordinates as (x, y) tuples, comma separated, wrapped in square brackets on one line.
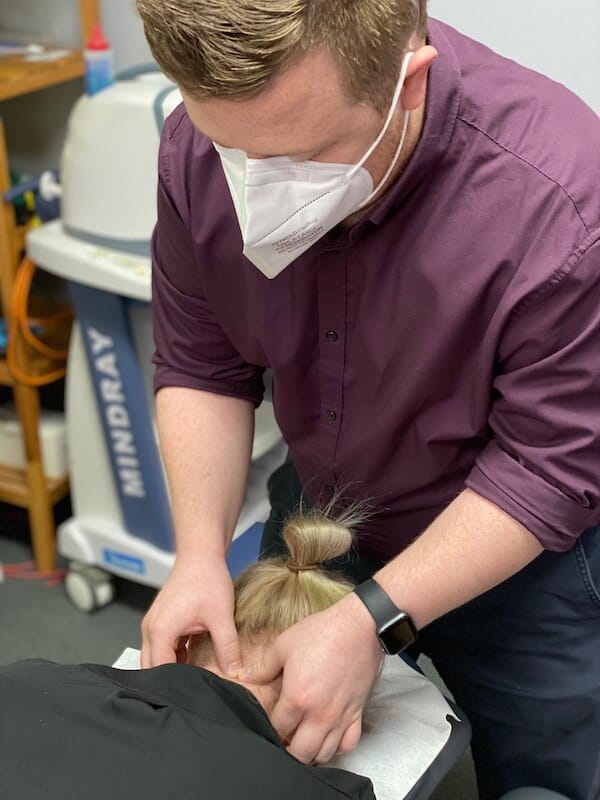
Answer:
[(376, 143), (391, 112), (393, 162)]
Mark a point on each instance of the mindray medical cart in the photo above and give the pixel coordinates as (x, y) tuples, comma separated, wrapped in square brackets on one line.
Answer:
[(122, 521)]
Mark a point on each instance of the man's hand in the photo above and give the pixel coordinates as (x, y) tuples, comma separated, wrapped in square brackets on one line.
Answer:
[(197, 597), (329, 661)]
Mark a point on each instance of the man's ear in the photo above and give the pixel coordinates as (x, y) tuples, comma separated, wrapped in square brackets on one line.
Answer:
[(415, 85)]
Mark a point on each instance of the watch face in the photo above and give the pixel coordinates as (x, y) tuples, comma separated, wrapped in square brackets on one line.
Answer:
[(397, 634)]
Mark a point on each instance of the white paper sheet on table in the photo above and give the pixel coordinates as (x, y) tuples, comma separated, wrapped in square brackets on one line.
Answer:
[(404, 728)]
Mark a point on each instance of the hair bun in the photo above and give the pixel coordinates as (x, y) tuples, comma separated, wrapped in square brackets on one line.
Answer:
[(271, 595), (314, 537)]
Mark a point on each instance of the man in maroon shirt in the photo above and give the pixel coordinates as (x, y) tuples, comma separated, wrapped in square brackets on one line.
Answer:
[(412, 244)]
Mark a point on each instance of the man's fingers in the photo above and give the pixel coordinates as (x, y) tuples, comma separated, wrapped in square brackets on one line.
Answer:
[(309, 739), (351, 738), (145, 654), (313, 743), (329, 747), (158, 654), (265, 669), (227, 647), (156, 649), (285, 718)]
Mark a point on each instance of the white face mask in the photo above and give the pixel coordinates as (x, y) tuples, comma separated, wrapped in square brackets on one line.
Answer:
[(285, 206)]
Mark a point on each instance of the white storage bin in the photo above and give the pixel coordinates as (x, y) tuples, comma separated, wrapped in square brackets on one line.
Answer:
[(53, 441)]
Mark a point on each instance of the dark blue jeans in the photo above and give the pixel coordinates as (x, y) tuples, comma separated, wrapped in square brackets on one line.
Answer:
[(522, 661)]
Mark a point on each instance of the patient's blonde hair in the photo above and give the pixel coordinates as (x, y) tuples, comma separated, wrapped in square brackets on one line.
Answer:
[(273, 594), (233, 48)]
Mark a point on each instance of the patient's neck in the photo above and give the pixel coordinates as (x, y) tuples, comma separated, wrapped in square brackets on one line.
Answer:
[(267, 694)]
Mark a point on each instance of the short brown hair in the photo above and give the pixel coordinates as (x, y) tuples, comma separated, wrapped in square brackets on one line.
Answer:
[(232, 48)]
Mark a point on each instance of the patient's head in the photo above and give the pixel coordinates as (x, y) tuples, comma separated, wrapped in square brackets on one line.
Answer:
[(274, 594)]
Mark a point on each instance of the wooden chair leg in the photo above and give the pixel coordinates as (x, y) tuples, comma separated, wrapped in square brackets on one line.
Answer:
[(41, 517)]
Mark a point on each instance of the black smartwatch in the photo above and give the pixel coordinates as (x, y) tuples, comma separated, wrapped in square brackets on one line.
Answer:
[(395, 629)]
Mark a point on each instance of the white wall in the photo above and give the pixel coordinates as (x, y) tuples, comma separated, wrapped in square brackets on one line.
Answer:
[(51, 20), (557, 37), (124, 30), (35, 123)]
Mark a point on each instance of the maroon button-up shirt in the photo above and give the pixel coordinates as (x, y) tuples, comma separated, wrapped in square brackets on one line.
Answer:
[(450, 339)]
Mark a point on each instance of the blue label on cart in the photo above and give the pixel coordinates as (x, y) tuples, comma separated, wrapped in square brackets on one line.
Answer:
[(123, 561), (127, 422)]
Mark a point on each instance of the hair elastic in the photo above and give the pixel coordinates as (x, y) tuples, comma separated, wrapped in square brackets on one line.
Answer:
[(293, 568)]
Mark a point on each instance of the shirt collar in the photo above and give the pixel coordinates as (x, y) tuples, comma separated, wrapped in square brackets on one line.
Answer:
[(444, 93)]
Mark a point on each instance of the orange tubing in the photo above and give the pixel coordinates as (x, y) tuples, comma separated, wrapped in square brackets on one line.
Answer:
[(20, 325)]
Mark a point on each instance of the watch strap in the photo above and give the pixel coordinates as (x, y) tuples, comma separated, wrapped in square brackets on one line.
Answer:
[(395, 629), (377, 601)]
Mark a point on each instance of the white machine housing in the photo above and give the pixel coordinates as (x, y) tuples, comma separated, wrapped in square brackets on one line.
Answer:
[(111, 147)]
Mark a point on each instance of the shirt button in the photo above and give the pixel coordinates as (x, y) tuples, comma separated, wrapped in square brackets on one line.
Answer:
[(328, 488), (331, 416), (331, 336)]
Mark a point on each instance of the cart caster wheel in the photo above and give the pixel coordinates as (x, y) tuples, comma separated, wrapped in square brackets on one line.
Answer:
[(88, 588)]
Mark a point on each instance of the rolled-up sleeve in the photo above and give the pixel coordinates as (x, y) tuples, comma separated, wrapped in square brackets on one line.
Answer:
[(191, 349), (543, 464)]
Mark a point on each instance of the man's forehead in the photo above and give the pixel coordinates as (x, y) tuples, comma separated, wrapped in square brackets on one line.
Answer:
[(304, 108)]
